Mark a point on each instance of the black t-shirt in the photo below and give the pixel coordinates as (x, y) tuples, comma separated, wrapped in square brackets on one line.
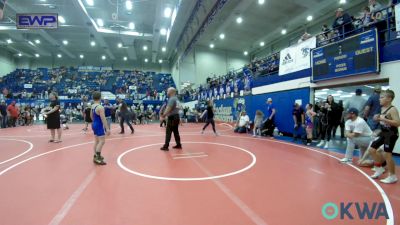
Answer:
[(298, 112), (53, 104), (210, 112), (3, 110)]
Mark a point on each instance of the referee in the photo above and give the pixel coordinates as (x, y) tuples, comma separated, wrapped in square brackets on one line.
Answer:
[(172, 112)]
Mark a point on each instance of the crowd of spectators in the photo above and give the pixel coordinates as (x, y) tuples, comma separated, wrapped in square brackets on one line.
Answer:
[(70, 83), (373, 14), (235, 82)]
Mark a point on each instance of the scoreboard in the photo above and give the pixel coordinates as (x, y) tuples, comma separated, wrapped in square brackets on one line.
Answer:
[(355, 55)]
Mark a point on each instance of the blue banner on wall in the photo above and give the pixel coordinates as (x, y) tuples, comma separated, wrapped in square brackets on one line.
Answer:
[(355, 55)]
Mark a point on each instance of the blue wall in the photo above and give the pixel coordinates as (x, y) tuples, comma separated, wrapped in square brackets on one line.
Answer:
[(283, 101), (275, 78)]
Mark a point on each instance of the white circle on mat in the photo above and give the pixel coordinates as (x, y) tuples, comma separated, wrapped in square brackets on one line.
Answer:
[(23, 153), (120, 164)]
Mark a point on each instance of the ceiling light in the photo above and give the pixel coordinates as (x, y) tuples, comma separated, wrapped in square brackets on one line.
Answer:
[(325, 89), (43, 0), (131, 26), (167, 12), (92, 43), (128, 5), (125, 58), (100, 22), (262, 44), (37, 41), (346, 96), (160, 61), (19, 54), (342, 2), (261, 2), (119, 45), (284, 31), (9, 41), (37, 55), (211, 45), (81, 56), (90, 2), (340, 91), (239, 20), (163, 49), (364, 95), (321, 93), (163, 31), (221, 36), (103, 57), (146, 60), (245, 53), (336, 95), (65, 42), (61, 19), (145, 48), (309, 18), (59, 55)]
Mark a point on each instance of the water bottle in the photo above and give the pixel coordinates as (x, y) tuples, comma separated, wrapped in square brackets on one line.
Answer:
[(276, 131)]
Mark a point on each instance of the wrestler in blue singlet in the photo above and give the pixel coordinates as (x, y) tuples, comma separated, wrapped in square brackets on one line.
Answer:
[(97, 125)]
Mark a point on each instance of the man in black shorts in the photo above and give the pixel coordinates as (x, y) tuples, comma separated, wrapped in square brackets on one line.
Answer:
[(389, 121), (172, 111)]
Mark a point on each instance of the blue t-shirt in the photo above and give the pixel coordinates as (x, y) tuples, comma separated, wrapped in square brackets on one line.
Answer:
[(270, 107), (374, 105), (107, 111)]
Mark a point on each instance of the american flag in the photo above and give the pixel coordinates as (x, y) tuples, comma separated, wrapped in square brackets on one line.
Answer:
[(2, 5)]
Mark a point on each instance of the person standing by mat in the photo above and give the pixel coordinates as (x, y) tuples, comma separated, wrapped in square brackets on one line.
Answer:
[(172, 112), (53, 118), (162, 110), (124, 117), (107, 111), (99, 124), (390, 122), (210, 117), (269, 123)]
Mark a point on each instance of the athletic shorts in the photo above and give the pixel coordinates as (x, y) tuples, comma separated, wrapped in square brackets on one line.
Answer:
[(387, 139), (98, 130)]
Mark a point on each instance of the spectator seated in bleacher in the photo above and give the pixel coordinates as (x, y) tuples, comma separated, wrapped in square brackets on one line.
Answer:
[(305, 37)]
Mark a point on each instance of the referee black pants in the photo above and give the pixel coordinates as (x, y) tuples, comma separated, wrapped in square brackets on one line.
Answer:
[(172, 127)]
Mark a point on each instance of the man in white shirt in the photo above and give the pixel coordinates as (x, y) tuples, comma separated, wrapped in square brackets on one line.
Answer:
[(357, 133), (242, 123)]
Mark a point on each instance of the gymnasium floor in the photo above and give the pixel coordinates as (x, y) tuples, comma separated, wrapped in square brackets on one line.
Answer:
[(226, 180)]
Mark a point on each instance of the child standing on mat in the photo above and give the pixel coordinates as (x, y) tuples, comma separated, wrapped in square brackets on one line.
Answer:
[(258, 122), (389, 121), (88, 119), (309, 123), (209, 112), (98, 125)]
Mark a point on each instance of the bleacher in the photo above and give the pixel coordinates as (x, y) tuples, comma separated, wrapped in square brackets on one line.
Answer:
[(71, 83)]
